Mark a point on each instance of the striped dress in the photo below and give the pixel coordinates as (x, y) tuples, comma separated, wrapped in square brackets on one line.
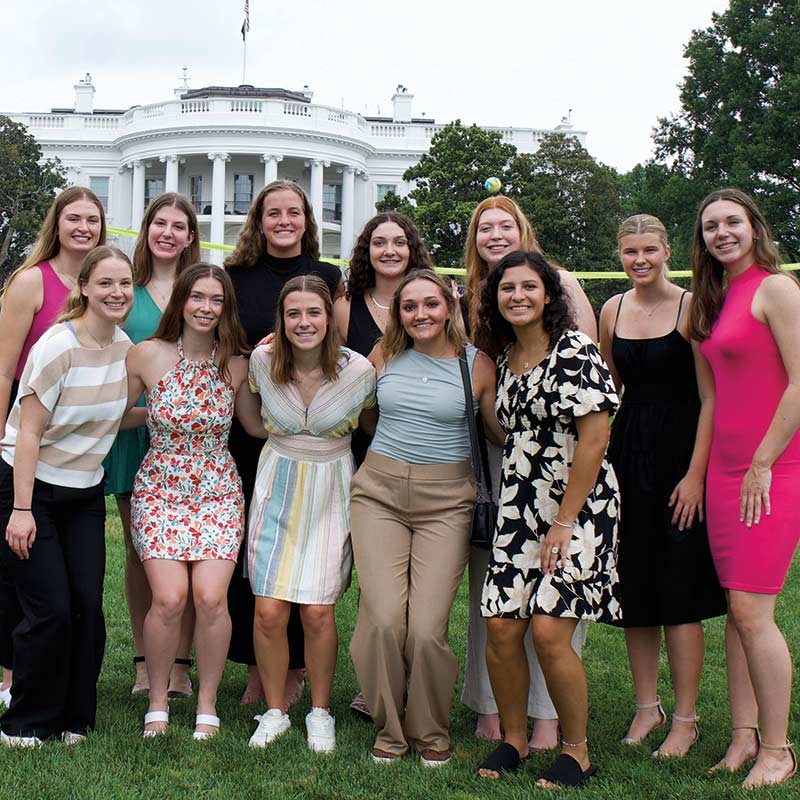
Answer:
[(298, 544)]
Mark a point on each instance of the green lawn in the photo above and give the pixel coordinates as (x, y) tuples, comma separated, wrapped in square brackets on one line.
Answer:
[(116, 762)]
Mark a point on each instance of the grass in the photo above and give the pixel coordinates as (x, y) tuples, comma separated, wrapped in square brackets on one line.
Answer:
[(116, 762)]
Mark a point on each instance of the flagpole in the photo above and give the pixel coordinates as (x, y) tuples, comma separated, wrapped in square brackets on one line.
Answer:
[(244, 60)]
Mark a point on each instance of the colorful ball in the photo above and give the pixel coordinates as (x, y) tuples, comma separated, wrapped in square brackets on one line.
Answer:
[(493, 185)]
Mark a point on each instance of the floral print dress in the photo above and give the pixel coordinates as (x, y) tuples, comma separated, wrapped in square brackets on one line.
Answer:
[(187, 502), (538, 409)]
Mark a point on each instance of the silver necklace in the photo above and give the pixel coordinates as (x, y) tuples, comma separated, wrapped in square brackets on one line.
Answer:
[(95, 339), (377, 304)]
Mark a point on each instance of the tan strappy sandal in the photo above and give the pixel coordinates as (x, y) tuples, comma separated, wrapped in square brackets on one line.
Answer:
[(721, 765), (693, 720), (629, 740)]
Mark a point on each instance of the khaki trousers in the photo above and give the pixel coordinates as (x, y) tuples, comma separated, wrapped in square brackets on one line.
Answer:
[(410, 534)]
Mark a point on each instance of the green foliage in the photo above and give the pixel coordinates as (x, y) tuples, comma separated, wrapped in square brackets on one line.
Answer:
[(27, 184), (740, 118)]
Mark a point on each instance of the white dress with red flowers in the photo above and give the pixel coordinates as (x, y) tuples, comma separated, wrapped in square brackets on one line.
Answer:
[(187, 502)]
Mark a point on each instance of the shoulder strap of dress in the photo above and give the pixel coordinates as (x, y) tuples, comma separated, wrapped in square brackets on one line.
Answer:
[(680, 309), (619, 307), (179, 345)]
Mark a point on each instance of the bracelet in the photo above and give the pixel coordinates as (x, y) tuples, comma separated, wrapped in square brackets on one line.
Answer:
[(21, 509), (562, 524)]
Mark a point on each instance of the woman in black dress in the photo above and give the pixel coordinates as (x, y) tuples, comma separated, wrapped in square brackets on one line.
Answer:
[(278, 241), (659, 448)]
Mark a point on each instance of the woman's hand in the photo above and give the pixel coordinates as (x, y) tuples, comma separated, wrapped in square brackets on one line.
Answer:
[(554, 547), (267, 342), (687, 497), (21, 533), (755, 494)]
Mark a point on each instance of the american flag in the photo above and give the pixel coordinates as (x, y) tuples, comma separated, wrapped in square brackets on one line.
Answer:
[(246, 23)]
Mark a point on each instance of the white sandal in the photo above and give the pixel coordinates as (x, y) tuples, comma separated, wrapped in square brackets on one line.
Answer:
[(205, 719), (155, 716)]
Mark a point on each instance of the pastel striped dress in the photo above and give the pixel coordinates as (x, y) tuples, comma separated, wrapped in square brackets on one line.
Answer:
[(298, 543)]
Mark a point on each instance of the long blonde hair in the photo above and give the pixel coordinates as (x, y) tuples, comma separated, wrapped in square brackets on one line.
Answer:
[(395, 340), (477, 268), (77, 302), (47, 244)]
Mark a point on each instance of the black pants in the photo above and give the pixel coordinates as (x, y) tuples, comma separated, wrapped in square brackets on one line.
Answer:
[(59, 644)]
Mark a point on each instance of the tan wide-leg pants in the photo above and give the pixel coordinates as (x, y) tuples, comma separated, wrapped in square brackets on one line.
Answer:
[(410, 534)]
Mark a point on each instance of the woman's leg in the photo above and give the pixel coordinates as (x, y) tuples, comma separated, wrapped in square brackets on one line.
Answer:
[(210, 581), (272, 648), (321, 647), (169, 583), (769, 665), (643, 645)]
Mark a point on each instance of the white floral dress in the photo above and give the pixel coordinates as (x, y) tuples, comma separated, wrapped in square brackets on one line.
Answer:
[(537, 409)]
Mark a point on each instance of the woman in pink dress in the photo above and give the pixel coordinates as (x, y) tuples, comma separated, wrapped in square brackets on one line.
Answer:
[(745, 315)]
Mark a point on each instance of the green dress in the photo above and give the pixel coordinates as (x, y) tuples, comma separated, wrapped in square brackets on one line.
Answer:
[(129, 448)]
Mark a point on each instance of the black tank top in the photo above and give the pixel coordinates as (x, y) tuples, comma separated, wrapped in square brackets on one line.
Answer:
[(362, 330)]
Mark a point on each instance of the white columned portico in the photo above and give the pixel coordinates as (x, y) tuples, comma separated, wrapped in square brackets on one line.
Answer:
[(217, 234), (137, 203), (270, 167), (348, 208), (317, 170), (171, 181)]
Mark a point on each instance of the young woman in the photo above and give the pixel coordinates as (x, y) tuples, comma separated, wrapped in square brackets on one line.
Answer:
[(278, 241), (498, 227), (554, 557), (659, 453), (31, 300), (167, 244), (312, 394), (187, 510), (411, 507), (745, 314), (71, 399)]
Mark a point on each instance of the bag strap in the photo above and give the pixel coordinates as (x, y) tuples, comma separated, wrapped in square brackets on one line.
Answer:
[(478, 467)]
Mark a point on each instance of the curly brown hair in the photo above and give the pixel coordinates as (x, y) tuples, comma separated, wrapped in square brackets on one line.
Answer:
[(362, 274), (252, 243)]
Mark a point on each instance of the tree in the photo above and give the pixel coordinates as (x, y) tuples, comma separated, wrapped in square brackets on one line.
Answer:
[(449, 184), (27, 184), (740, 118)]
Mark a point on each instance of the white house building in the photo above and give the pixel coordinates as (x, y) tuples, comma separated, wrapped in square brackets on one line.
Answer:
[(220, 145)]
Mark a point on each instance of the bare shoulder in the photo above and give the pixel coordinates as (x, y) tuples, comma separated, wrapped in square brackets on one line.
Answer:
[(237, 367), (780, 284), (375, 357), (25, 292), (611, 305), (483, 364)]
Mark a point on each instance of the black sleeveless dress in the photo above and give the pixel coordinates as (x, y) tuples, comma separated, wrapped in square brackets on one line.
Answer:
[(666, 575)]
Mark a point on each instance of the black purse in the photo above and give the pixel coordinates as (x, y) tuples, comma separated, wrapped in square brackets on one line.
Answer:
[(484, 517)]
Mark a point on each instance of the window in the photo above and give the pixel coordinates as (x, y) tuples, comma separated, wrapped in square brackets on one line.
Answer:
[(99, 185), (242, 193), (153, 187), (384, 189), (196, 192), (332, 202)]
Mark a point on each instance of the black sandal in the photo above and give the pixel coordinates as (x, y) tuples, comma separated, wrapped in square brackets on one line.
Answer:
[(566, 771), (139, 690), (505, 758)]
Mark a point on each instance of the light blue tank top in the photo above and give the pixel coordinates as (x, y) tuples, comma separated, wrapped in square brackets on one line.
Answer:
[(421, 402)]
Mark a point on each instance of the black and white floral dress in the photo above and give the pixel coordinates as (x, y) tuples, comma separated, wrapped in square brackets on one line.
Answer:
[(537, 409)]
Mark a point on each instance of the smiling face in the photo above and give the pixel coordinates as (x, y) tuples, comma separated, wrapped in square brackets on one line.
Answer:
[(389, 251), (521, 296), (79, 226), (643, 257), (283, 223), (728, 235), (109, 289), (203, 308), (423, 311), (169, 234), (497, 235), (305, 321)]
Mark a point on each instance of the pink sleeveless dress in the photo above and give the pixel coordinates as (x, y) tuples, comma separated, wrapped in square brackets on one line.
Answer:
[(750, 379)]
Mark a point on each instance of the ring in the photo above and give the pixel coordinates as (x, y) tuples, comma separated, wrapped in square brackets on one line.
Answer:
[(554, 551)]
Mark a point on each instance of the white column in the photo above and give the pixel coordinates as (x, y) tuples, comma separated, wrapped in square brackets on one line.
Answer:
[(217, 234), (317, 169), (270, 167), (361, 199), (348, 207), (121, 197), (137, 202), (171, 181)]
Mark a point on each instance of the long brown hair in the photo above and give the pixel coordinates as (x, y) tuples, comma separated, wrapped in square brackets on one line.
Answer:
[(708, 274), (77, 302), (282, 353), (477, 268), (143, 258), (252, 244), (47, 244), (230, 337), (395, 340)]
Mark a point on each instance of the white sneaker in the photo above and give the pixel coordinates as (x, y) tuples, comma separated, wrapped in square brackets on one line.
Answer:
[(271, 725), (321, 729), (5, 697), (19, 741)]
